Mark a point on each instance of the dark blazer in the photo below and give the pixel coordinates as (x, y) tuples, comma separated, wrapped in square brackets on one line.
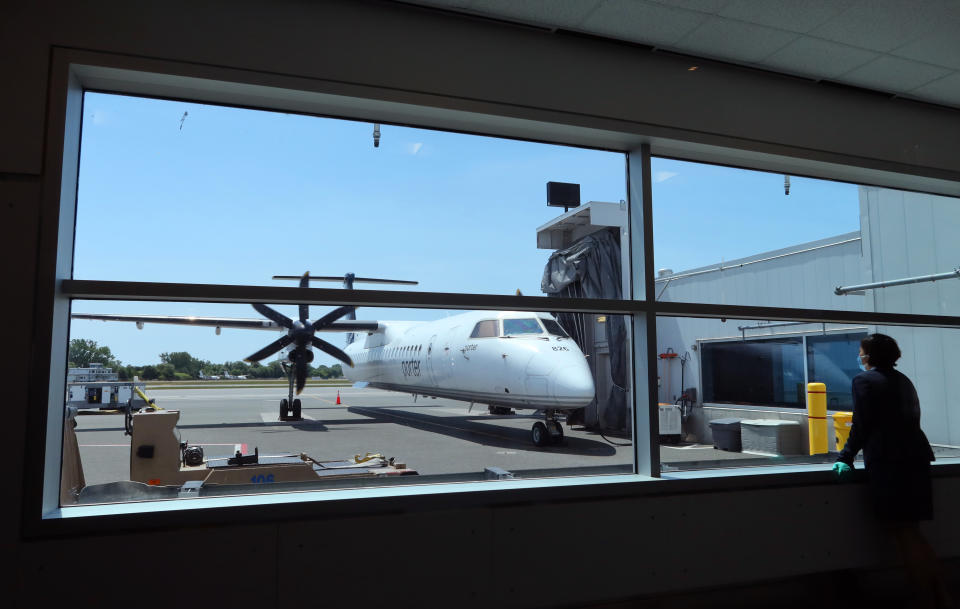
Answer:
[(886, 421)]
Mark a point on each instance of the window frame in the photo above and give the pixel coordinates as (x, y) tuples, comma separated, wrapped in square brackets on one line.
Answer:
[(73, 72)]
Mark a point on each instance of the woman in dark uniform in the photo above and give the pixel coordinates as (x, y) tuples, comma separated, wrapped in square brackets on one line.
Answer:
[(897, 456)]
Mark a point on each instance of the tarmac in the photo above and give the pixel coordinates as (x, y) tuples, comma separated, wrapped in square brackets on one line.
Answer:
[(437, 437)]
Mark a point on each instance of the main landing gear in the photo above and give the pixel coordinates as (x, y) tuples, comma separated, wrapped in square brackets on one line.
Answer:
[(290, 407), (548, 431)]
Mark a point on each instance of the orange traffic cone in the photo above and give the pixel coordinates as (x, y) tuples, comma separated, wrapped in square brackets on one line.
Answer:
[(338, 396)]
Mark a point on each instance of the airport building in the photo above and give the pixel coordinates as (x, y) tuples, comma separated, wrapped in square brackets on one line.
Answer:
[(761, 369), (859, 92), (745, 369)]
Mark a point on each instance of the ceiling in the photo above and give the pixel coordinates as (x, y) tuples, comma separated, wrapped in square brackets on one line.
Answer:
[(905, 48)]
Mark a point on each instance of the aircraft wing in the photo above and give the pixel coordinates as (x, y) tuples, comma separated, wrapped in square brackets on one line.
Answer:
[(184, 320), (224, 322)]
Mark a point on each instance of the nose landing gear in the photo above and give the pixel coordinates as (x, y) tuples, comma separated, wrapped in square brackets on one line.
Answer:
[(548, 431)]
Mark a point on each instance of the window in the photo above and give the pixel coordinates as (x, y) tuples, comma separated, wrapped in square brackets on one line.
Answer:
[(513, 327), (732, 236), (720, 383), (485, 329), (758, 372), (553, 327), (829, 362), (343, 371), (695, 229)]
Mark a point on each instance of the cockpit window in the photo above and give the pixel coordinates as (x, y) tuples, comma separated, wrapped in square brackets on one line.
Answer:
[(521, 326), (485, 329), (554, 328)]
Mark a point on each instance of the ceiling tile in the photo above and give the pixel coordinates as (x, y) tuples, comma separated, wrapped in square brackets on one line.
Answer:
[(792, 15), (734, 40), (940, 46), (818, 58), (944, 91), (882, 25), (541, 12), (645, 22), (893, 74)]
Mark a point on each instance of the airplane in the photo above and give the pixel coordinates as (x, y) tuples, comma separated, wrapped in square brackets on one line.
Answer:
[(234, 377), (204, 377), (505, 359)]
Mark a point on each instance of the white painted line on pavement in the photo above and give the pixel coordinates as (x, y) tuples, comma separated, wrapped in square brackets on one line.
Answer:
[(273, 417)]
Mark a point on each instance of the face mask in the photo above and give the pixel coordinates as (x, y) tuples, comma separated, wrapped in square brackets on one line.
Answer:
[(861, 364)]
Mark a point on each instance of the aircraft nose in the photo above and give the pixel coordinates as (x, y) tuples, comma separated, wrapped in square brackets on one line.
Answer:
[(573, 383)]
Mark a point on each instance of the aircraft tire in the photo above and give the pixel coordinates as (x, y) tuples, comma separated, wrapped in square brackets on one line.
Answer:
[(556, 435), (296, 410), (540, 435), (284, 407)]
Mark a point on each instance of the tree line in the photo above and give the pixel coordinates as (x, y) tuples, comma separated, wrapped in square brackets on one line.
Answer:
[(181, 366)]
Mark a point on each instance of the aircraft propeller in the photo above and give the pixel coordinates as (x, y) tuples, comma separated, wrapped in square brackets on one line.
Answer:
[(301, 333)]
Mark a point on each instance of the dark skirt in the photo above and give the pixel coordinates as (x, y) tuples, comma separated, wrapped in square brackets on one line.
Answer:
[(901, 492)]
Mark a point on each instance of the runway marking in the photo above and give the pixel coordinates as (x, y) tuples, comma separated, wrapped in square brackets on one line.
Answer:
[(692, 446), (273, 417)]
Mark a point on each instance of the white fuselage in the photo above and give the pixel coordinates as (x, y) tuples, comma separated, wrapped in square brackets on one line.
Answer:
[(524, 369)]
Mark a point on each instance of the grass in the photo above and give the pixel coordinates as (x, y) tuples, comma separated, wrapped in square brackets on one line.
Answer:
[(252, 383)]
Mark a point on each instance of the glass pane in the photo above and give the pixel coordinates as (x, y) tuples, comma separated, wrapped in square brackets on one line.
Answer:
[(829, 362), (755, 371), (512, 327), (422, 392), (236, 196), (485, 329), (732, 236), (553, 327), (734, 393)]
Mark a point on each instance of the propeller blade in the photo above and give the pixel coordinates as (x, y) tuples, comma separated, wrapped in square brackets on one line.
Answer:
[(332, 316), (305, 309), (272, 315), (270, 349), (300, 370), (332, 351)]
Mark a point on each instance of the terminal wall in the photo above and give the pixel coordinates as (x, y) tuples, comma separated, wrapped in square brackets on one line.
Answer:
[(793, 277), (788, 277), (596, 550), (908, 235), (902, 234)]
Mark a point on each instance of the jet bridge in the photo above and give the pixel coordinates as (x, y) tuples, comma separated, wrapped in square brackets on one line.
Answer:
[(589, 262)]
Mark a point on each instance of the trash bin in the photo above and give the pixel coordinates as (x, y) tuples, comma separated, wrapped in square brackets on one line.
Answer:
[(726, 434), (771, 437), (842, 422)]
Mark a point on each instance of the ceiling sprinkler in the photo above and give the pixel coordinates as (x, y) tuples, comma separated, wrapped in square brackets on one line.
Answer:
[(376, 135), (786, 185)]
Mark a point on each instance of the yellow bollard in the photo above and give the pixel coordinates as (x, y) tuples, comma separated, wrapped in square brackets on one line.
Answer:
[(817, 417), (842, 422)]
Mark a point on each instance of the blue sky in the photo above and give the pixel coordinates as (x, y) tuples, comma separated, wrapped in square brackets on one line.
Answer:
[(236, 196), (703, 214)]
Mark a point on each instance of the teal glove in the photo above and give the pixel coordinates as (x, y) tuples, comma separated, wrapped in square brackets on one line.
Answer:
[(843, 471)]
